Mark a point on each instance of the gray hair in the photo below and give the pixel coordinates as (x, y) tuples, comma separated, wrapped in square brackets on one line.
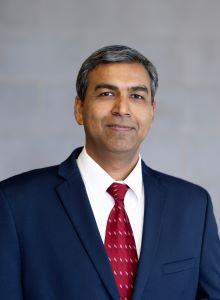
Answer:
[(114, 54)]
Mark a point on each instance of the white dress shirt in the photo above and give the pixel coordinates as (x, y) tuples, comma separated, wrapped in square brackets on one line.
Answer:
[(97, 181)]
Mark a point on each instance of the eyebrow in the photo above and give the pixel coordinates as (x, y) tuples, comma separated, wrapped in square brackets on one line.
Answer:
[(106, 86), (139, 88), (142, 88)]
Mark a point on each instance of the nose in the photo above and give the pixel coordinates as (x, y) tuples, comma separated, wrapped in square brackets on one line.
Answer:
[(121, 106)]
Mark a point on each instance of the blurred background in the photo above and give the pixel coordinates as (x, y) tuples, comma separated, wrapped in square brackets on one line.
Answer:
[(44, 42)]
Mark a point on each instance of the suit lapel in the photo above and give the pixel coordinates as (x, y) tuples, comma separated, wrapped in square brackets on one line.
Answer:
[(154, 206), (75, 201)]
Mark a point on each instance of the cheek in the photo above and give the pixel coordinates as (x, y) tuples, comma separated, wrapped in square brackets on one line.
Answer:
[(92, 122), (94, 114), (145, 122)]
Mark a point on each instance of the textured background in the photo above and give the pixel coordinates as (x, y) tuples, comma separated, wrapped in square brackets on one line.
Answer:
[(42, 45)]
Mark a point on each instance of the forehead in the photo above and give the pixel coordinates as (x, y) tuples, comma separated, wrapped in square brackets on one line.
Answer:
[(119, 73)]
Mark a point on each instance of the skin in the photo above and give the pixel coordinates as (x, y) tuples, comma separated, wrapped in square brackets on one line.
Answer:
[(117, 113)]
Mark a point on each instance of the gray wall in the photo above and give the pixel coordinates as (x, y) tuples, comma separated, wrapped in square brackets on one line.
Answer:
[(43, 43)]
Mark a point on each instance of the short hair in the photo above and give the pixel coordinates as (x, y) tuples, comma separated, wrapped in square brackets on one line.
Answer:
[(114, 54)]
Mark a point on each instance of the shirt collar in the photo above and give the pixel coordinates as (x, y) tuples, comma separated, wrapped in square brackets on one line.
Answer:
[(97, 178), (134, 179)]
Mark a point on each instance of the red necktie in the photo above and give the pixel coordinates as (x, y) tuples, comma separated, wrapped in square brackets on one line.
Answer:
[(120, 244)]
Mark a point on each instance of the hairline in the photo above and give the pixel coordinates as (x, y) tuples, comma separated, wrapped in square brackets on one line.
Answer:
[(116, 62), (114, 54)]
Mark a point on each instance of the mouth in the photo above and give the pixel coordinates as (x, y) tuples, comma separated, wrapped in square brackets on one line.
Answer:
[(118, 127)]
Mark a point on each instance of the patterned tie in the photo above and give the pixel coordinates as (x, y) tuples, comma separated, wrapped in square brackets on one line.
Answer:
[(120, 244)]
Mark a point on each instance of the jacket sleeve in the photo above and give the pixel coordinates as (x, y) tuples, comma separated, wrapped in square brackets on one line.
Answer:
[(10, 260), (209, 280)]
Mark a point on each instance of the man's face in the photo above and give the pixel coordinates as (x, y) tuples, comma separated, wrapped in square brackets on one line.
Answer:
[(117, 111)]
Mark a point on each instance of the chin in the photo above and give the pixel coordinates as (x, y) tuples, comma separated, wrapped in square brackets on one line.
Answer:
[(120, 150)]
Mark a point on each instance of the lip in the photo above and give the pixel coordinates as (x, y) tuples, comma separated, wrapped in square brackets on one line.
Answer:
[(118, 127)]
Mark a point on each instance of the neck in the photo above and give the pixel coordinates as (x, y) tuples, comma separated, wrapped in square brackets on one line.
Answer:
[(117, 165)]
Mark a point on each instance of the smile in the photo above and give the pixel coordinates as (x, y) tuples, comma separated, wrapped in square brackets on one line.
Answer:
[(120, 127)]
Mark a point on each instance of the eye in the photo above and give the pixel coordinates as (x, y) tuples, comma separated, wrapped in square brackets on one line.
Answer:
[(137, 97), (106, 94)]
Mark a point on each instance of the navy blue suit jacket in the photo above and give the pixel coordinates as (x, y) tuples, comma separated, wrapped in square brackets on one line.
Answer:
[(51, 249)]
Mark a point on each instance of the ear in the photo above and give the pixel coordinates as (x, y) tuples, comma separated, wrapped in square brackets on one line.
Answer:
[(153, 109), (78, 110)]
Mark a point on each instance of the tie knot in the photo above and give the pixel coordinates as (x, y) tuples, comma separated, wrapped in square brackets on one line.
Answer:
[(118, 191)]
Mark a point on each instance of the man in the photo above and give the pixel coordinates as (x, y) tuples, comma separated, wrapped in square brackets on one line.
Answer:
[(103, 225)]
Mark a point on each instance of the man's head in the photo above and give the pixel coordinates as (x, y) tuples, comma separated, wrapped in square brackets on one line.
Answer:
[(114, 54), (115, 102)]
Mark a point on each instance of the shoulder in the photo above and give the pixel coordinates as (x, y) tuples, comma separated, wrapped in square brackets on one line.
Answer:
[(40, 184), (29, 184), (30, 176), (178, 188)]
